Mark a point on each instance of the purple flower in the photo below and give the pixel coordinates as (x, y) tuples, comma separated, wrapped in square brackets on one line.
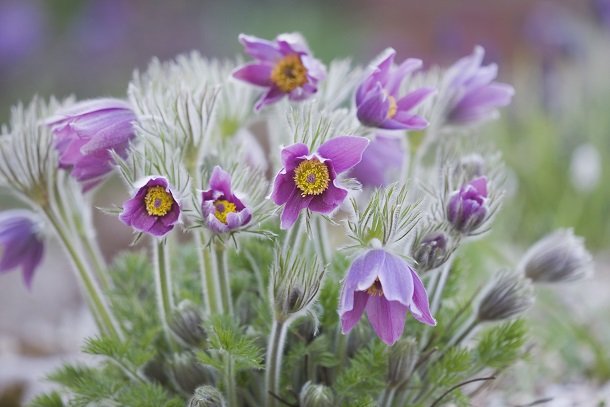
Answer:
[(382, 162), (378, 101), (20, 244), (85, 134), (308, 180), (387, 287), (284, 66), (223, 211), (467, 207), (472, 94), (153, 209)]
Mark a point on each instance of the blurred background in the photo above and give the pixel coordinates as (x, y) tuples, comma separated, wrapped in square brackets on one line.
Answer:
[(555, 139)]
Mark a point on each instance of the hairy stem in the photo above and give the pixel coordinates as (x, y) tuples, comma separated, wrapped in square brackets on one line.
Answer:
[(222, 269), (275, 350), (163, 284), (209, 282), (229, 379)]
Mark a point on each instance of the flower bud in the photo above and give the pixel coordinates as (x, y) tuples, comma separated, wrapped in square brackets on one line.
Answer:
[(207, 396), (185, 323), (431, 251), (470, 167), (467, 207), (316, 395), (402, 358), (507, 295), (559, 256), (188, 373)]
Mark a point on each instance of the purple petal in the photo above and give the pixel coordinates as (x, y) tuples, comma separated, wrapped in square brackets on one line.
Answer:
[(259, 48), (414, 98), (407, 120), (292, 155), (382, 161), (221, 181), (295, 204), (350, 317), (360, 276), (271, 96), (344, 151), (387, 318), (255, 74), (329, 200), (397, 76), (292, 43), (159, 228), (419, 306), (396, 280), (31, 262), (283, 187), (480, 184), (374, 107)]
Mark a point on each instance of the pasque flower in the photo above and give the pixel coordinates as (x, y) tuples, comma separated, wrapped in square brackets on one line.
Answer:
[(20, 243), (472, 94), (284, 66), (378, 101), (309, 180), (387, 287), (467, 207), (381, 163), (153, 209), (85, 134), (222, 209)]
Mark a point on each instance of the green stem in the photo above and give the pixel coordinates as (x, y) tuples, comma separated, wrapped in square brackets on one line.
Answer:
[(321, 240), (209, 283), (275, 350), (388, 397), (222, 272), (163, 284), (230, 386)]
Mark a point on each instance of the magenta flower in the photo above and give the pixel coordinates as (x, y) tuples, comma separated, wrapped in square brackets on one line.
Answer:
[(85, 134), (153, 209), (378, 101), (284, 66), (308, 180), (20, 243), (223, 210), (468, 207), (472, 94), (382, 162), (387, 287)]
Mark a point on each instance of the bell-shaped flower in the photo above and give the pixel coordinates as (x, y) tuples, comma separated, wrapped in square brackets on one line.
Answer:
[(382, 162), (222, 209), (86, 132), (308, 181), (387, 288), (153, 209), (284, 66), (467, 208), (378, 98), (20, 243)]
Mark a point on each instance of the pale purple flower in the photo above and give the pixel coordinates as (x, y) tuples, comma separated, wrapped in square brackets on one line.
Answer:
[(387, 288), (308, 181), (285, 66), (472, 94), (86, 132), (467, 207), (153, 209), (20, 243), (382, 161), (222, 209), (379, 102)]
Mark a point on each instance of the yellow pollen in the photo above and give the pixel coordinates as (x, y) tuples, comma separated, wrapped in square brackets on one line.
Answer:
[(158, 201), (311, 177), (393, 107), (289, 73), (223, 208), (375, 290)]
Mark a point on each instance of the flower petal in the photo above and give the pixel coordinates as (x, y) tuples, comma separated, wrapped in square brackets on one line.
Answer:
[(344, 151), (350, 317), (255, 74), (419, 306), (283, 187), (414, 98), (259, 48), (291, 155), (271, 96), (329, 200), (396, 280), (387, 318), (221, 181), (295, 204)]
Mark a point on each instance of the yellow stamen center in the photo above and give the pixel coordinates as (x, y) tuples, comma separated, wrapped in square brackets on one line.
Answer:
[(158, 201), (393, 107), (223, 208), (311, 177), (289, 73), (375, 290)]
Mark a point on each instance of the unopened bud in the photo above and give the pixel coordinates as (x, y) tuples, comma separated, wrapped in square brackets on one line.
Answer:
[(560, 256), (316, 395), (431, 251), (188, 373), (207, 396), (467, 208), (185, 323), (402, 358), (507, 295)]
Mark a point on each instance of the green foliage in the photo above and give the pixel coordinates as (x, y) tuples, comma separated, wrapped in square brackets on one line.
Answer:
[(451, 368), (47, 400), (500, 346), (365, 374)]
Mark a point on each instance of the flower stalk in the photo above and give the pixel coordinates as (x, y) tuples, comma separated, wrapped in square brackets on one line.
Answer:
[(163, 284), (275, 352)]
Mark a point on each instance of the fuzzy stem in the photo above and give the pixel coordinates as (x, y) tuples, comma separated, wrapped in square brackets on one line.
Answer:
[(321, 240), (221, 268), (275, 350), (229, 379), (387, 398), (209, 283), (440, 286), (163, 284)]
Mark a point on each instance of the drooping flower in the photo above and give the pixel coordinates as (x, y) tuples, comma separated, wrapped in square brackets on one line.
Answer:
[(467, 207), (85, 134), (284, 66), (387, 287), (309, 180), (222, 209), (378, 101), (472, 94), (153, 209), (20, 243), (382, 162)]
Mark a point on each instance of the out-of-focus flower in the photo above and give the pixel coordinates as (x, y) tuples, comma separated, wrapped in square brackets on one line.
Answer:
[(601, 8), (22, 29), (85, 134), (316, 395), (585, 168), (467, 207), (153, 209), (207, 396), (387, 287), (509, 294), (559, 256), (309, 180), (472, 94), (222, 209), (20, 243), (284, 66), (431, 251), (378, 101), (382, 162)]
